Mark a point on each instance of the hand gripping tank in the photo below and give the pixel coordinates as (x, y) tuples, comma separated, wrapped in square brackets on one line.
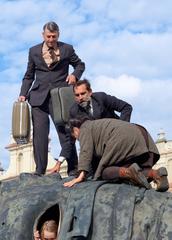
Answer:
[(21, 122)]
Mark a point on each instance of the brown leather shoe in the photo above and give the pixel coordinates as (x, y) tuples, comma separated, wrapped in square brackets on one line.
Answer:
[(135, 176), (161, 180)]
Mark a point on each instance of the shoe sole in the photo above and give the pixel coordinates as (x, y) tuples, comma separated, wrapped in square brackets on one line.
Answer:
[(162, 171), (164, 186), (142, 180)]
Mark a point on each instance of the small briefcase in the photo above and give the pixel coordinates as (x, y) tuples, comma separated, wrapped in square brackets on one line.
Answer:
[(21, 122), (62, 100)]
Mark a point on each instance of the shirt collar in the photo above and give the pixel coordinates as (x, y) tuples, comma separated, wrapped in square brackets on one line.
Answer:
[(46, 48)]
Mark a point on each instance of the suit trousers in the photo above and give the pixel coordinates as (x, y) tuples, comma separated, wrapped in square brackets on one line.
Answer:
[(41, 128)]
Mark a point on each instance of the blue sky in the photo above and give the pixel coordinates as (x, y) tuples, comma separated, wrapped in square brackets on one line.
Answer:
[(126, 45)]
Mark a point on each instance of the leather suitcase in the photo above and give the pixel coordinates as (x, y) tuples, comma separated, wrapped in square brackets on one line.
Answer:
[(21, 122), (62, 100)]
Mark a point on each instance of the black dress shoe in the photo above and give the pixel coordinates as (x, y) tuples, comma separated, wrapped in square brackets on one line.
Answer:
[(38, 174)]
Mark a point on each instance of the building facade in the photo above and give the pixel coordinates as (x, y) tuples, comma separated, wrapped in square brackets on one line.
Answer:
[(22, 160), (165, 149)]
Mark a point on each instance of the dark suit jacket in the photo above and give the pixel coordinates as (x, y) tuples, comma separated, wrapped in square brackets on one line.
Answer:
[(41, 79), (104, 106)]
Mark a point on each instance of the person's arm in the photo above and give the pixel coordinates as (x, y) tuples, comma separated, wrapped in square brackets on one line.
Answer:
[(85, 155), (79, 179), (78, 66), (86, 147), (113, 103), (56, 168), (28, 78)]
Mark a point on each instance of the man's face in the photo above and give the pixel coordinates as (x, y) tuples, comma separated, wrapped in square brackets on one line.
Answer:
[(82, 95), (50, 38)]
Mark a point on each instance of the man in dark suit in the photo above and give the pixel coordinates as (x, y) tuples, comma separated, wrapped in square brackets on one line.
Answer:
[(97, 105), (48, 68)]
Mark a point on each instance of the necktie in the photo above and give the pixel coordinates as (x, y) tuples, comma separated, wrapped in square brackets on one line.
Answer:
[(52, 55), (88, 110)]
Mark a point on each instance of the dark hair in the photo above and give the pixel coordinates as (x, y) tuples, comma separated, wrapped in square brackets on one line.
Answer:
[(51, 26), (77, 122), (81, 82)]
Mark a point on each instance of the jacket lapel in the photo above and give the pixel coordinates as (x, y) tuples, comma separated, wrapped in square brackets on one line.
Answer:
[(39, 53), (61, 49)]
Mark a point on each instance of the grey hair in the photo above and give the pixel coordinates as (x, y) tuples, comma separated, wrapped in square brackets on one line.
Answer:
[(51, 26)]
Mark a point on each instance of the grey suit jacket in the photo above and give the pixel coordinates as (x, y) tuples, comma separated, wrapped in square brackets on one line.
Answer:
[(112, 141), (39, 79)]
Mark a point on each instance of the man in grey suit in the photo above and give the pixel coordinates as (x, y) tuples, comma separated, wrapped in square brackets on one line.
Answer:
[(125, 151), (48, 68)]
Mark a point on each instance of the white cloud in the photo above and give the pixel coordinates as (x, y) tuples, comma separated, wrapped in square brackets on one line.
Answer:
[(142, 15), (141, 55), (122, 87), (126, 46), (150, 99), (98, 41), (10, 74), (9, 94)]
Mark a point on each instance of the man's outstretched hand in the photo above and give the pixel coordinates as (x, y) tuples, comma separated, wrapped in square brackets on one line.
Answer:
[(79, 179)]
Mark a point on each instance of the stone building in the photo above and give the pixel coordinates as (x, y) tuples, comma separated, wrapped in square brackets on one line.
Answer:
[(22, 160), (165, 148)]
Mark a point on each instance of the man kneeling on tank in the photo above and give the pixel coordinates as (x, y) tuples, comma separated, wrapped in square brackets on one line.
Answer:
[(112, 149)]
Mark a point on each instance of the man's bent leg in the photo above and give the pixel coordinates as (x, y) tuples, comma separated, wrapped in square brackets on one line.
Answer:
[(111, 173), (132, 174), (40, 138), (159, 176)]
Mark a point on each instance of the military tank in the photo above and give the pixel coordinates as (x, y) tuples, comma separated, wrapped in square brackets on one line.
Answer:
[(92, 210)]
